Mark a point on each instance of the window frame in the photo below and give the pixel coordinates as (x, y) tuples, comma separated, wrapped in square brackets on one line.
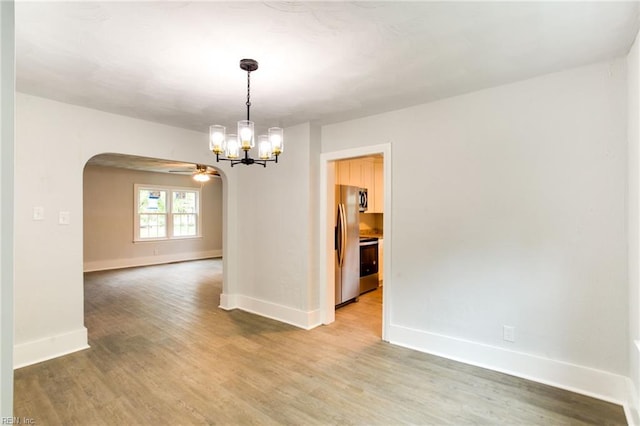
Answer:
[(169, 215)]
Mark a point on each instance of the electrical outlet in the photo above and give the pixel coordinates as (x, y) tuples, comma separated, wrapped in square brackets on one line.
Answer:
[(509, 333), (156, 251)]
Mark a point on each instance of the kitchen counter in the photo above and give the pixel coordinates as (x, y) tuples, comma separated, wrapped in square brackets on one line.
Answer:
[(370, 235)]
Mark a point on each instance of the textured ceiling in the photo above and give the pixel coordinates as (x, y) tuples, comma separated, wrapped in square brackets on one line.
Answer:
[(177, 63)]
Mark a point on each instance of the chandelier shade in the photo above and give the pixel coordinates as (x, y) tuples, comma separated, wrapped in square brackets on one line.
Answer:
[(245, 133), (265, 150), (232, 151), (276, 139), (217, 142), (235, 147)]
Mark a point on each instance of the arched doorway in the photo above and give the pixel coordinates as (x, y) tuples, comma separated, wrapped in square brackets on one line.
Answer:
[(189, 225)]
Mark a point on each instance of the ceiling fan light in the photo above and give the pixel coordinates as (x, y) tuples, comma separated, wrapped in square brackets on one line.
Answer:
[(245, 133), (276, 138), (216, 139), (264, 147), (201, 177)]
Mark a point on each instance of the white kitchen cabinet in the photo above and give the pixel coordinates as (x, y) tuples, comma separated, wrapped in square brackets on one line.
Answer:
[(355, 173), (368, 180), (364, 173), (349, 172), (373, 179), (377, 206), (343, 171)]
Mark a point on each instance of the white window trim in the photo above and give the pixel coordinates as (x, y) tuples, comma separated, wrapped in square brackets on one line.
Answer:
[(169, 215)]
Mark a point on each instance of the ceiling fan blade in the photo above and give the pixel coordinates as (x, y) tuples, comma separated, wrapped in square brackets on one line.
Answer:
[(199, 169)]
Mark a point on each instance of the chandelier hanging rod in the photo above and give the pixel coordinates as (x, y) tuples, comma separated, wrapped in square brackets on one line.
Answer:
[(248, 66)]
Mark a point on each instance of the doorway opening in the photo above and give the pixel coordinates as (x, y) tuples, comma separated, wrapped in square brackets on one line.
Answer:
[(334, 167), (140, 211)]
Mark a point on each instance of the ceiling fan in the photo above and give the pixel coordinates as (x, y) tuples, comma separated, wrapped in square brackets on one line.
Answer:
[(202, 173)]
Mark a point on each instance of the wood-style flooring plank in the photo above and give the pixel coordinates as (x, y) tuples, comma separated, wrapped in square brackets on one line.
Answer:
[(162, 352)]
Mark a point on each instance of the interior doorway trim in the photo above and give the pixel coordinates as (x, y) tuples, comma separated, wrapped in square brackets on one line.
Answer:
[(327, 183)]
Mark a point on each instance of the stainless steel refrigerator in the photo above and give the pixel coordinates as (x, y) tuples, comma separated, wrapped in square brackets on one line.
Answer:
[(347, 244)]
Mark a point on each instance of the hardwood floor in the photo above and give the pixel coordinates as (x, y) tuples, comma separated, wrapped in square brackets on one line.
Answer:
[(163, 353)]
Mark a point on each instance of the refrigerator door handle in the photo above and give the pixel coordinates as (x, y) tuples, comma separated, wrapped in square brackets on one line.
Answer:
[(343, 228), (339, 235)]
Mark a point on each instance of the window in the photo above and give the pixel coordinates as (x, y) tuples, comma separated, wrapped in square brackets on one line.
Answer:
[(166, 213), (184, 213)]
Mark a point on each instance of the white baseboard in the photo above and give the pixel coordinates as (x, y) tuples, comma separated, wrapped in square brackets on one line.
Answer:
[(48, 348), (302, 319), (584, 380), (228, 302), (103, 265), (631, 407)]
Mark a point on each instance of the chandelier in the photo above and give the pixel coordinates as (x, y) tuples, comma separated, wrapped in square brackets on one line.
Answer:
[(227, 147)]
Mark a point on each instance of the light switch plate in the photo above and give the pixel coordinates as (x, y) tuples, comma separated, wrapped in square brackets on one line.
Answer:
[(38, 213), (64, 218), (509, 333)]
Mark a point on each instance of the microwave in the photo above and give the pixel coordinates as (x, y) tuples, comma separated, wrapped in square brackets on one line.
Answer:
[(363, 200)]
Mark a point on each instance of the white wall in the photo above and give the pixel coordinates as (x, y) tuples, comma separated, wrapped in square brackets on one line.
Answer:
[(7, 78), (269, 230), (633, 97), (53, 143), (513, 213), (108, 206), (277, 235), (509, 209)]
